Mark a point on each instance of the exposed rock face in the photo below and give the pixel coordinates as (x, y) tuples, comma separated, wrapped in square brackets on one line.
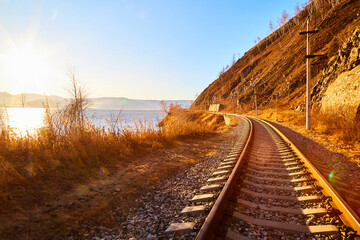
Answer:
[(214, 107), (346, 59), (343, 95)]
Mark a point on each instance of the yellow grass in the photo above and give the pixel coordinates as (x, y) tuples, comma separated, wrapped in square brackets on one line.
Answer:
[(340, 125), (66, 151)]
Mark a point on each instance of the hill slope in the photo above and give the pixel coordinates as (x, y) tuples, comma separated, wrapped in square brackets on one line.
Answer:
[(36, 101), (275, 68)]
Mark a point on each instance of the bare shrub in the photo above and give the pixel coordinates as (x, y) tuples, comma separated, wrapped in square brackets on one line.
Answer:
[(164, 107), (22, 98), (297, 9), (271, 27), (284, 19), (79, 102)]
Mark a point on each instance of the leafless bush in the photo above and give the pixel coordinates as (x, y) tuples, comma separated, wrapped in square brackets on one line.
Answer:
[(297, 9), (284, 19), (271, 27), (79, 102), (164, 106), (22, 98)]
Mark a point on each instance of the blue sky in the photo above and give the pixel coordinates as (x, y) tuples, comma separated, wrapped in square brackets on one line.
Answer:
[(159, 49)]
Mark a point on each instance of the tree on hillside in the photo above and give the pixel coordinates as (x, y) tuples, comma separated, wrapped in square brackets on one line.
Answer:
[(297, 9), (233, 61), (271, 26), (257, 41), (22, 98), (284, 19)]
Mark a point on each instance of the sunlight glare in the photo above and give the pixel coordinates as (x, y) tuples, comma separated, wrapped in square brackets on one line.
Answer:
[(24, 119), (27, 69)]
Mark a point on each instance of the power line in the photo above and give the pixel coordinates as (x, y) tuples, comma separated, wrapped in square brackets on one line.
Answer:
[(258, 84)]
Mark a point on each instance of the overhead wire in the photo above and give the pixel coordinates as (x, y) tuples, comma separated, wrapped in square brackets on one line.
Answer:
[(258, 84), (299, 46)]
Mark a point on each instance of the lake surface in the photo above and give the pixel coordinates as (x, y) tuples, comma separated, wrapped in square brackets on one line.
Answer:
[(29, 119)]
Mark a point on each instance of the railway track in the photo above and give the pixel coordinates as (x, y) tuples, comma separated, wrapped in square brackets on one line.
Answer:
[(267, 189)]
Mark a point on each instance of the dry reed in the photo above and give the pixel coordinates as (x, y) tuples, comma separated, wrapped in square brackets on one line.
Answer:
[(70, 147)]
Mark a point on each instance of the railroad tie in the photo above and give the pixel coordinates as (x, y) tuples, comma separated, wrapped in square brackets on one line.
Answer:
[(319, 229), (227, 163), (311, 198), (193, 210), (219, 173), (180, 228), (225, 167), (297, 211), (297, 180), (203, 197), (212, 187), (283, 188), (279, 169), (217, 179)]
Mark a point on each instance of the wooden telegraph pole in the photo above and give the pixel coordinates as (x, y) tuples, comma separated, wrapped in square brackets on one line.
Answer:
[(233, 101), (255, 102), (256, 112), (308, 70)]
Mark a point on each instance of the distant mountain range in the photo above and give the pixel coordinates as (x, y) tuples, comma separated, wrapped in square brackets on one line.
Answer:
[(117, 103)]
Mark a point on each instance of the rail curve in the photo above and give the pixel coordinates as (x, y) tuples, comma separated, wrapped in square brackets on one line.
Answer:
[(269, 190)]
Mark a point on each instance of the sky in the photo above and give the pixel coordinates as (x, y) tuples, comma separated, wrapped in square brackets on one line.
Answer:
[(142, 49)]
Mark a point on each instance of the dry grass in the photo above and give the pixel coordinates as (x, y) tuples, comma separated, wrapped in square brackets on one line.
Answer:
[(65, 152), (338, 128), (282, 116), (340, 124), (69, 152), (60, 161)]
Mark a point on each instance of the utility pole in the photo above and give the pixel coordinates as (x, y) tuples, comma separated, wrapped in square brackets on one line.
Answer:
[(308, 70), (233, 98), (233, 101), (256, 112), (253, 83)]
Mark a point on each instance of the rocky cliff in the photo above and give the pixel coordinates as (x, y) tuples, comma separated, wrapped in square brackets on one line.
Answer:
[(342, 95), (275, 68), (338, 89)]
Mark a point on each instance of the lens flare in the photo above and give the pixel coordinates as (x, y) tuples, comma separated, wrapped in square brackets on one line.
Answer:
[(331, 175)]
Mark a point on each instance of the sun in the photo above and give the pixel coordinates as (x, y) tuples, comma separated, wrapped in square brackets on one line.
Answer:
[(27, 69)]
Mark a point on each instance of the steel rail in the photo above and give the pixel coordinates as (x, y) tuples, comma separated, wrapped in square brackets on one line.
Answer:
[(348, 216), (207, 231)]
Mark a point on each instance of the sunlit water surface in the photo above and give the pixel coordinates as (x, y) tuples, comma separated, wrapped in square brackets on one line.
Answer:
[(23, 120)]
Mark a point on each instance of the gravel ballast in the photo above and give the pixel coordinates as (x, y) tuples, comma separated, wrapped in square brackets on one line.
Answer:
[(161, 204)]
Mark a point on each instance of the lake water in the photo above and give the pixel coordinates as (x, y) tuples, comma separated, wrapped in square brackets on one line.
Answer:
[(29, 119)]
